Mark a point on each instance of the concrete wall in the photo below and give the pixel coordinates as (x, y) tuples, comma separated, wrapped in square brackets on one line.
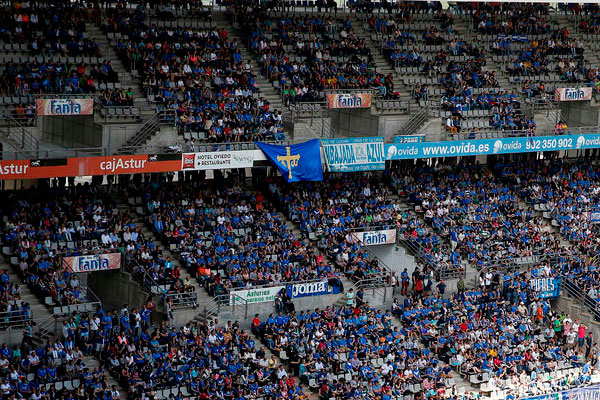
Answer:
[(579, 113), (115, 136), (116, 288), (354, 123), (77, 131), (389, 126)]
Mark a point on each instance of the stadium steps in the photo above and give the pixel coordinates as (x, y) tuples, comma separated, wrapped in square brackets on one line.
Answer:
[(266, 89), (92, 362), (40, 311), (141, 221), (382, 65), (282, 358)]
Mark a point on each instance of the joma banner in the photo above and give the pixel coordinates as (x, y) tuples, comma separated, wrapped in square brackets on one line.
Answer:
[(64, 107), (92, 262)]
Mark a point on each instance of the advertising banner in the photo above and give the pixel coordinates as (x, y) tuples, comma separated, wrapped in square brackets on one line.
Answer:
[(86, 166), (409, 138), (217, 160), (357, 154), (400, 151), (311, 289), (595, 217), (373, 238), (297, 162), (573, 94), (64, 107), (92, 262), (584, 393), (256, 295), (546, 288), (349, 100)]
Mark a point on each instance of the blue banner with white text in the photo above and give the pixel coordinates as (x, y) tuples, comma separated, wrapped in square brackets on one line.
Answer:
[(311, 289), (356, 154), (546, 288), (400, 151), (296, 162)]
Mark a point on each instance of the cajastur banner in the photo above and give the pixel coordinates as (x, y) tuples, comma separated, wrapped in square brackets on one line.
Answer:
[(86, 166)]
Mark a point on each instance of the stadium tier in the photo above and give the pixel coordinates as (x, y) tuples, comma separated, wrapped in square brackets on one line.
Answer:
[(299, 199)]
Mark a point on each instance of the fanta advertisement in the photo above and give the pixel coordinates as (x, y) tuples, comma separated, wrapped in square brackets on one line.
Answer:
[(64, 107), (374, 238), (349, 100), (92, 263)]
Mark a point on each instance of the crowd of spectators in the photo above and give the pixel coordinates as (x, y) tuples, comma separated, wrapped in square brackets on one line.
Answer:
[(503, 333), (117, 98), (229, 238), (199, 74), (40, 229), (303, 65), (478, 212), (59, 369), (38, 77), (330, 211), (354, 351)]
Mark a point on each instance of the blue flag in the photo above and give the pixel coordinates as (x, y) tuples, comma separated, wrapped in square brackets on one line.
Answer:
[(296, 162)]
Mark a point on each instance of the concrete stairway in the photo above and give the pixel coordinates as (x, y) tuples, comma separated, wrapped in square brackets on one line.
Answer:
[(266, 89), (203, 299), (39, 310), (92, 363)]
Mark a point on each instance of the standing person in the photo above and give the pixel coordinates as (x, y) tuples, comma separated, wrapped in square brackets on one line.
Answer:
[(460, 285), (589, 341), (350, 298), (405, 281)]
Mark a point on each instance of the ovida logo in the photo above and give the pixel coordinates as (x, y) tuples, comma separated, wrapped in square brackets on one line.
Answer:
[(497, 146), (580, 142)]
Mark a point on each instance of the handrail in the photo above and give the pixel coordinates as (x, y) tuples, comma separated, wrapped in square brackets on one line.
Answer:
[(416, 121), (15, 319), (578, 293), (20, 135), (443, 269), (179, 300), (225, 301), (148, 283), (146, 129)]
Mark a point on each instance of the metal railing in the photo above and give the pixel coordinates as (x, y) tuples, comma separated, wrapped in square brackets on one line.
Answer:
[(443, 269), (416, 121), (133, 267), (15, 319), (578, 293), (18, 134), (145, 131), (178, 301), (230, 303)]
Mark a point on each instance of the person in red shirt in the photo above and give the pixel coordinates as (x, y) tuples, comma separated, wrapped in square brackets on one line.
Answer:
[(255, 325)]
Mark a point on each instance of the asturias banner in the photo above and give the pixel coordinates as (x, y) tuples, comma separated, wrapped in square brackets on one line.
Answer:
[(400, 151), (92, 262), (357, 154), (254, 295), (349, 100), (372, 238), (64, 107), (296, 162)]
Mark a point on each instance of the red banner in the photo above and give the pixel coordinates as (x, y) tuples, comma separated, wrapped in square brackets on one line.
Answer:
[(86, 166), (64, 107)]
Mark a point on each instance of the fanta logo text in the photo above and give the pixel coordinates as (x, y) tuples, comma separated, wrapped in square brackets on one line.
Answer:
[(93, 263)]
